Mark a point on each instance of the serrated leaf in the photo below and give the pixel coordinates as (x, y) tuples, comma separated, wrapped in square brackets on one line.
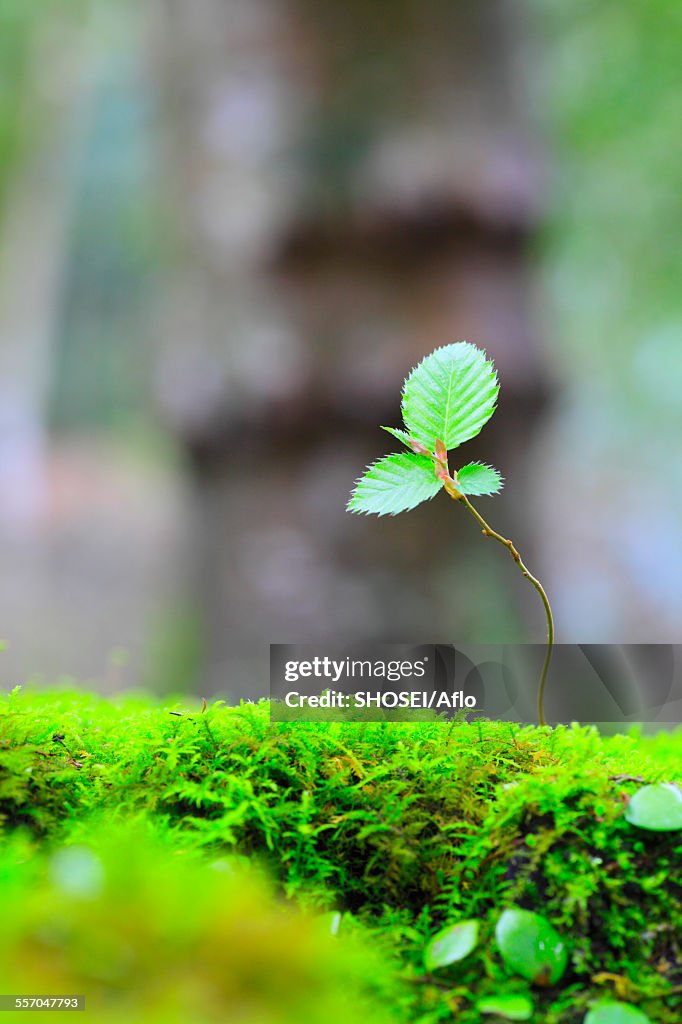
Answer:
[(451, 944), (531, 946), (450, 395), (511, 1007), (657, 808), (609, 1012), (394, 484), (477, 478)]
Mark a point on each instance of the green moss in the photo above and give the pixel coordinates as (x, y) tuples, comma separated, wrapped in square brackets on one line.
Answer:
[(403, 827)]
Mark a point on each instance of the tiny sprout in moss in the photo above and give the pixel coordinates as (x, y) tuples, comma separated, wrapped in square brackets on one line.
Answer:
[(447, 399), (451, 944)]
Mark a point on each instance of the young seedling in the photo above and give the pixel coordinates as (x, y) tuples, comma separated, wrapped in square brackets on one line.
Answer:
[(446, 400)]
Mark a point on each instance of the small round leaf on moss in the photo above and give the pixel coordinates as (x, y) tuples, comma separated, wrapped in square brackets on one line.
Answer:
[(610, 1012), (511, 1007), (657, 808), (451, 944), (531, 946)]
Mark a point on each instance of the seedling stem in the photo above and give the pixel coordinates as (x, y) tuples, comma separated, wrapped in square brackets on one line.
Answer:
[(489, 532)]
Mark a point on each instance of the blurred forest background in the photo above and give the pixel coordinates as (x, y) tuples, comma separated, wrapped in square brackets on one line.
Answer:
[(228, 229)]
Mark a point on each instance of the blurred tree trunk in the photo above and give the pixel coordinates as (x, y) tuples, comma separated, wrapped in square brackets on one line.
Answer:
[(355, 184)]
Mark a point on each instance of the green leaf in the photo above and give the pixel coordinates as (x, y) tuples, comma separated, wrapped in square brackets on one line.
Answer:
[(657, 808), (450, 395), (451, 944), (477, 478), (531, 946), (511, 1007), (609, 1012), (394, 484)]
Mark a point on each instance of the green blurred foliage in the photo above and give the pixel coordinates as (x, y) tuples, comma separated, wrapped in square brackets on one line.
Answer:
[(149, 933), (610, 80), (25, 30), (17, 126)]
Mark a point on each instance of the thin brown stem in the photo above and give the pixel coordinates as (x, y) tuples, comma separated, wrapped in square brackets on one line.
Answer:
[(489, 532)]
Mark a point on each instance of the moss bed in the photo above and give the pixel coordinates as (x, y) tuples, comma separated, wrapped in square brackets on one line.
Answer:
[(179, 865)]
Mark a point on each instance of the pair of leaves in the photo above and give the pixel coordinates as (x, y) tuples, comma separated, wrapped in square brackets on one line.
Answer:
[(533, 948), (448, 397), (528, 942)]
